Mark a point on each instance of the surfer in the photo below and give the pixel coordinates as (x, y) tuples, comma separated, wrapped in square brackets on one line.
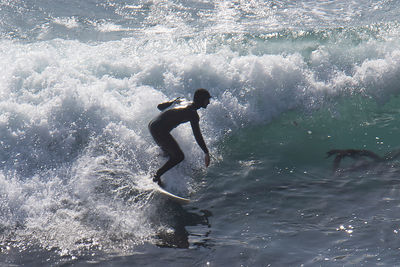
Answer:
[(161, 126), (358, 154)]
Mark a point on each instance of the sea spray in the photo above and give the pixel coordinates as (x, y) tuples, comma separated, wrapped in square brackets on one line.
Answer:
[(289, 80)]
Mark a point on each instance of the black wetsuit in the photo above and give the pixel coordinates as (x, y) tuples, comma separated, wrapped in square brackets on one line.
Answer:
[(160, 129)]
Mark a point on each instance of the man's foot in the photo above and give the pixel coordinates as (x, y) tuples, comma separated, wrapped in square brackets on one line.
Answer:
[(157, 180)]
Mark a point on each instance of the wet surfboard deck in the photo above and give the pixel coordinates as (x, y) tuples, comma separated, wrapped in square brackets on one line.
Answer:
[(171, 196)]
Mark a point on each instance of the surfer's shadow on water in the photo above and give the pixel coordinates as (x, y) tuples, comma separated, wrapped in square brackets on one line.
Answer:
[(174, 223)]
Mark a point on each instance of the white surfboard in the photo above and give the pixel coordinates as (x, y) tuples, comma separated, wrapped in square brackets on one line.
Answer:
[(173, 197)]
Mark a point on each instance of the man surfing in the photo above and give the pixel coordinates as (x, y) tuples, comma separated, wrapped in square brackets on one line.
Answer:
[(161, 126), (358, 154)]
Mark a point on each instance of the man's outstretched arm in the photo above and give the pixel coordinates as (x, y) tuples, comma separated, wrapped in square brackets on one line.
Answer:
[(166, 105), (200, 141)]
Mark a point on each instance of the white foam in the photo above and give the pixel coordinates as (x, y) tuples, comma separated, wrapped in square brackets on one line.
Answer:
[(61, 93), (73, 120), (110, 27), (69, 23)]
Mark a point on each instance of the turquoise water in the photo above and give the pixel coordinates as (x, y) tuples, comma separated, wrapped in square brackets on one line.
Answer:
[(291, 80)]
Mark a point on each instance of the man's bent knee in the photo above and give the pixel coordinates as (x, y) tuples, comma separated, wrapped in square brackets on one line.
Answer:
[(179, 157)]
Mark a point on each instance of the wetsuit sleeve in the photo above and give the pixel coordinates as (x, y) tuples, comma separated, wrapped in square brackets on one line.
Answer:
[(197, 134)]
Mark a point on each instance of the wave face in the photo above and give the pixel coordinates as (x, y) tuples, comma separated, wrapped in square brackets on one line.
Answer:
[(290, 80)]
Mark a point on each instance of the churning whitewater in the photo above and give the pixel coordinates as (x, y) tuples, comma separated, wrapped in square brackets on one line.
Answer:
[(290, 80)]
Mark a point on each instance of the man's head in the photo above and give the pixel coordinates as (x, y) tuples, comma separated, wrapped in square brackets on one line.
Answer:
[(201, 98)]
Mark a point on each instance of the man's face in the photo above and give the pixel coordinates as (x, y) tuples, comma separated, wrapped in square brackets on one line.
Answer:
[(205, 103)]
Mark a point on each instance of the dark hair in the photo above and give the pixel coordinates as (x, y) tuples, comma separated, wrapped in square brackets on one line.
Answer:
[(200, 95)]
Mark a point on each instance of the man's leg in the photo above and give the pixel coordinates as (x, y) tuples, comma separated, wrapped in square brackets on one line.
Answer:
[(171, 147)]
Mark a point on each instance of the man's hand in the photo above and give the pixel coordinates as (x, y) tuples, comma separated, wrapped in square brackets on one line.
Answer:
[(207, 159)]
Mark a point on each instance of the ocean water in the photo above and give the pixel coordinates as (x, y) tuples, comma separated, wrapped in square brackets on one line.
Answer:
[(291, 80)]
